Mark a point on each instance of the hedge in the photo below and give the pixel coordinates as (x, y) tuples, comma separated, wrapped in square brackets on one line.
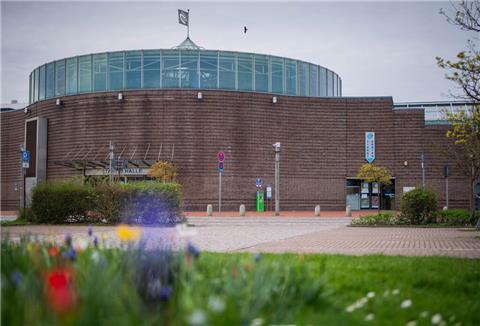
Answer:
[(418, 206), (146, 202)]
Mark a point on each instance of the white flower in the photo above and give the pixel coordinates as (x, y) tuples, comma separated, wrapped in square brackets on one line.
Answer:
[(411, 323), (406, 304), (370, 295), (369, 317), (197, 318), (395, 291), (350, 308), (436, 319), (424, 314), (216, 304), (95, 256), (257, 322)]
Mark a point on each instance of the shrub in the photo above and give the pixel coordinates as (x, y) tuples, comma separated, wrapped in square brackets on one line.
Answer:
[(385, 218), (60, 202), (108, 202), (418, 206), (456, 217)]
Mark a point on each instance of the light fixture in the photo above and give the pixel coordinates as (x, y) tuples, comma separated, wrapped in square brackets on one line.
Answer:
[(120, 96), (199, 96), (25, 110), (405, 163), (274, 100), (58, 102)]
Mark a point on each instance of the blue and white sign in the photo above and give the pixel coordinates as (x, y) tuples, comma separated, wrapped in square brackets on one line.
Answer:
[(269, 192), (25, 156), (370, 146), (258, 183), (221, 168)]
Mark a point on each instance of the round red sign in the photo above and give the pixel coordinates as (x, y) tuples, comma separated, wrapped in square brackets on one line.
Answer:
[(221, 156)]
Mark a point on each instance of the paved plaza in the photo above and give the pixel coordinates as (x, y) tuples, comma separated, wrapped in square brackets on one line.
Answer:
[(295, 234)]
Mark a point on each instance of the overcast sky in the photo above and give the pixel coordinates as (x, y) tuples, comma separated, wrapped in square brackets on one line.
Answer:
[(378, 48)]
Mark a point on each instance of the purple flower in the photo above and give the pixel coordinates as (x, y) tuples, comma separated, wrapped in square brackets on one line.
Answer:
[(68, 240), (95, 241), (192, 250), (70, 254), (16, 278), (90, 231), (165, 293)]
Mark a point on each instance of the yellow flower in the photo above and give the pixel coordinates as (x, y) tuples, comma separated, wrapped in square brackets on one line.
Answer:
[(128, 233)]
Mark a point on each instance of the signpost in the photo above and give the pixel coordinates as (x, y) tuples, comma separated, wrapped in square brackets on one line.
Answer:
[(370, 146), (25, 159), (25, 166), (221, 160)]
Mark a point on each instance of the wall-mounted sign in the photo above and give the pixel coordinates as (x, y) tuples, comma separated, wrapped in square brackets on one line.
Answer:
[(269, 192), (124, 171), (370, 146)]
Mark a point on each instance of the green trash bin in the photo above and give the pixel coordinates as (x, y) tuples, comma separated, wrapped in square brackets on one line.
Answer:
[(260, 201)]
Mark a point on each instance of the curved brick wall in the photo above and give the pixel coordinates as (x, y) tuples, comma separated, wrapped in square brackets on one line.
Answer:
[(322, 142)]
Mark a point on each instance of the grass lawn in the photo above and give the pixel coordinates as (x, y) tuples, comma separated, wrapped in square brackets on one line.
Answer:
[(46, 284)]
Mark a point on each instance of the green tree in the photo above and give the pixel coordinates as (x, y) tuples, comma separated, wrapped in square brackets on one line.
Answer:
[(371, 173), (163, 171), (464, 132)]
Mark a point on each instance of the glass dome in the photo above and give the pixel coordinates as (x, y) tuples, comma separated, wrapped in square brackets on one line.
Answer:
[(180, 67)]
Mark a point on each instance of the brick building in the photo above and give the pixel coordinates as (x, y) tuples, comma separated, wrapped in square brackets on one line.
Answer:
[(187, 104)]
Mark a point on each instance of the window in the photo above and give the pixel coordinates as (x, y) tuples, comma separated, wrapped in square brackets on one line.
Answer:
[(329, 83), (37, 84), (115, 71), (60, 78), (100, 72), (335, 85), (72, 76), (226, 67), (313, 80), (208, 69), (85, 74), (291, 77), (41, 89), (50, 92), (261, 73), (189, 69), (303, 79), (277, 75), (171, 65), (323, 81), (133, 69), (245, 72), (151, 69)]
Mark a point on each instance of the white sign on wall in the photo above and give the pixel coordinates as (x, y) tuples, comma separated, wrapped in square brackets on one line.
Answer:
[(370, 146)]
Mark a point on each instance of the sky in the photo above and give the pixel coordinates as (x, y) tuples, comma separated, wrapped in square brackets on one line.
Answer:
[(377, 48)]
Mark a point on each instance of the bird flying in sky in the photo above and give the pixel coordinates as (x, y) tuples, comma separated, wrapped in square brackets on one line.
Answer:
[(245, 29)]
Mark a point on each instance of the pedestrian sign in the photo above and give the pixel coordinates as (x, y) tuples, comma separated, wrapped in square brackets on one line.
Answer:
[(25, 156)]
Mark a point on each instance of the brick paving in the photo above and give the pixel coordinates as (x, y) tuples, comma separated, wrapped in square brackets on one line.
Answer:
[(298, 234)]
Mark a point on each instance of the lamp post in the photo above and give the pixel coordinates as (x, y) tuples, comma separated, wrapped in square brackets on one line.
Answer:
[(276, 148), (110, 156)]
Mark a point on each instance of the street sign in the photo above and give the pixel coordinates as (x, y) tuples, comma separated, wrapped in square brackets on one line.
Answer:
[(220, 167), (370, 146), (269, 192), (25, 165), (25, 156), (258, 183), (221, 156)]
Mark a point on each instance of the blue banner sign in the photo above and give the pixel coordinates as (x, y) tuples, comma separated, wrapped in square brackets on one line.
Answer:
[(370, 146)]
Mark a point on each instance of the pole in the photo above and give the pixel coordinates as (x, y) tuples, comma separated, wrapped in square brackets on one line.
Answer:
[(23, 171), (110, 147), (446, 191), (188, 25), (276, 147), (219, 192), (423, 169)]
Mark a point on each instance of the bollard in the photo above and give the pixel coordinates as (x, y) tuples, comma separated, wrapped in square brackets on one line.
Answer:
[(317, 210), (209, 209), (242, 210), (348, 211)]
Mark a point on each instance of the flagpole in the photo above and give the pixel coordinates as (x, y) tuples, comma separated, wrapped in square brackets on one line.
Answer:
[(188, 24)]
